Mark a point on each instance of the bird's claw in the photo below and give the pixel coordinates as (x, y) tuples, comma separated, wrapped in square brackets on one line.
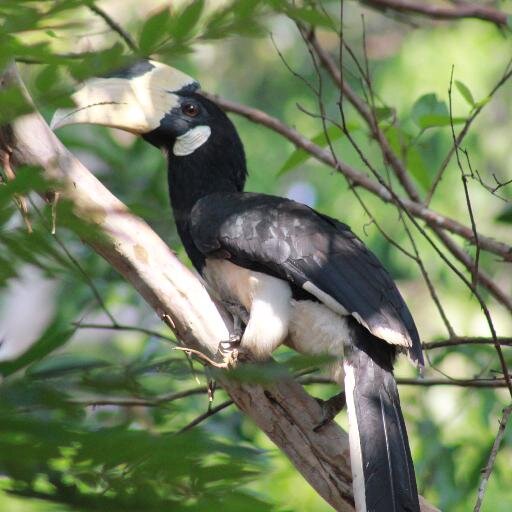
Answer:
[(229, 351), (330, 408)]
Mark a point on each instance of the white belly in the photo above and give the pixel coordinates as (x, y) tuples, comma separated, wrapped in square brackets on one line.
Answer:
[(311, 327), (315, 330), (266, 298)]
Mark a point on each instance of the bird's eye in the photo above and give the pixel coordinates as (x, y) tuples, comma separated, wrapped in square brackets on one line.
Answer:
[(190, 109)]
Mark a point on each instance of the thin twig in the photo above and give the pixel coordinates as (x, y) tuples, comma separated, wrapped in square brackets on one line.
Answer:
[(462, 340), (507, 74), (464, 183), (115, 27), (122, 327), (142, 402), (486, 473), (202, 356), (465, 383), (428, 281), (483, 278), (206, 415)]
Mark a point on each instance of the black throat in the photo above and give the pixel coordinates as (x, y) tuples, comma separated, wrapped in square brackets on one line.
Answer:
[(216, 166)]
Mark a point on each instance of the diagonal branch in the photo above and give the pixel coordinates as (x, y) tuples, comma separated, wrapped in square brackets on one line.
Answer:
[(399, 168), (486, 472), (454, 12), (358, 178), (115, 27)]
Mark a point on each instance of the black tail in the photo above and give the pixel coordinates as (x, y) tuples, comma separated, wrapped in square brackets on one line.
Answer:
[(382, 467)]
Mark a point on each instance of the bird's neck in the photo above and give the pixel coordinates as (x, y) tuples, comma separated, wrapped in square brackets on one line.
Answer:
[(191, 179)]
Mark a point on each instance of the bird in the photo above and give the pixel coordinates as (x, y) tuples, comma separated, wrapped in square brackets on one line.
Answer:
[(286, 272)]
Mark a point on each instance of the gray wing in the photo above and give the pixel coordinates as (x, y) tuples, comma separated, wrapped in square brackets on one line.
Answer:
[(313, 252)]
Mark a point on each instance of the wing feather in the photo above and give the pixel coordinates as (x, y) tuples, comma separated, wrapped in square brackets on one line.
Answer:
[(291, 241)]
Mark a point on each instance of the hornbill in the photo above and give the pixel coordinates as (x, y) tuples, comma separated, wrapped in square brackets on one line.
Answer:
[(297, 274)]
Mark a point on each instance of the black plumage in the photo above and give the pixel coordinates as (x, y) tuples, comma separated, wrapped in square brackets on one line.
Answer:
[(291, 241)]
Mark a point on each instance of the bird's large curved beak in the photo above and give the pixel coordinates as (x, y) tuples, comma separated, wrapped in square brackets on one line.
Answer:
[(135, 99)]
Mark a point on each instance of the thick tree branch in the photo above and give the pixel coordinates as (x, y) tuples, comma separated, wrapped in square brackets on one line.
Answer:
[(459, 11), (283, 410)]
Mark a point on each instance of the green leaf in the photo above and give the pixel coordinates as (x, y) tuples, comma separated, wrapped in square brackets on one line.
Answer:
[(55, 336), (384, 113), (505, 215), (184, 23), (309, 14), (154, 31), (299, 156), (429, 111), (465, 92), (402, 144)]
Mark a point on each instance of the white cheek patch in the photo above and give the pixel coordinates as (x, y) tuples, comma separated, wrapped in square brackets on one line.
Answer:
[(187, 143)]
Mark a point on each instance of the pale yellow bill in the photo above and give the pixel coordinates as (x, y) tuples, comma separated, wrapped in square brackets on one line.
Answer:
[(133, 103)]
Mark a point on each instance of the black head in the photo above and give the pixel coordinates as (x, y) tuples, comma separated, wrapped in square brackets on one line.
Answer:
[(201, 141), (162, 104)]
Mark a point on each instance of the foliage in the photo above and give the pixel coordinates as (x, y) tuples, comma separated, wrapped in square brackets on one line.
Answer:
[(57, 452)]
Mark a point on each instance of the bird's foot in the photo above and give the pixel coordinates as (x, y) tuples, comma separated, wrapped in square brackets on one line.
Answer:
[(230, 350), (239, 314), (330, 408)]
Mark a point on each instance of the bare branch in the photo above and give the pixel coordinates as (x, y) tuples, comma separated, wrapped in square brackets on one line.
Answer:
[(114, 26), (458, 11), (139, 402), (465, 383), (492, 457), (358, 178), (464, 183), (452, 342), (207, 414)]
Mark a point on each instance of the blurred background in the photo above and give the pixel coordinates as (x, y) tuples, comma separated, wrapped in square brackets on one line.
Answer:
[(59, 451)]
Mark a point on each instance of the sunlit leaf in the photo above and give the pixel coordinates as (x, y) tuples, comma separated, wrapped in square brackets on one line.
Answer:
[(154, 31), (184, 23), (429, 111), (465, 92)]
